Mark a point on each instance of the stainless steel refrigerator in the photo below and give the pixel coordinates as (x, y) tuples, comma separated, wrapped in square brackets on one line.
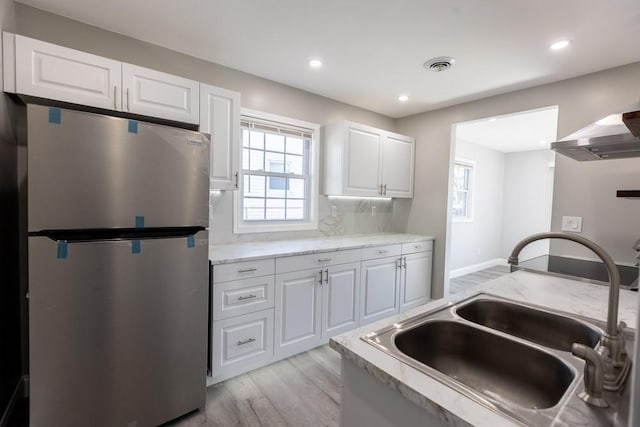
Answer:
[(118, 269)]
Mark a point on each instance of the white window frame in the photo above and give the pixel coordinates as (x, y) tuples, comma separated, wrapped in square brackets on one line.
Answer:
[(470, 192), (239, 225)]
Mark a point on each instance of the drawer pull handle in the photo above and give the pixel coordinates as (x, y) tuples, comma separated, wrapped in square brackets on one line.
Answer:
[(324, 259), (382, 252), (242, 298), (247, 270), (247, 341)]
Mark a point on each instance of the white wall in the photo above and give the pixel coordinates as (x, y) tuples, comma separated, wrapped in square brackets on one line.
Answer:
[(478, 240), (528, 194)]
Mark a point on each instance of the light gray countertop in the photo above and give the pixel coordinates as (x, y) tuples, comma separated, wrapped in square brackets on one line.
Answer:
[(555, 293), (251, 251)]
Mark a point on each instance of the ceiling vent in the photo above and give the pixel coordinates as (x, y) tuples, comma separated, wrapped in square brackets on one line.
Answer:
[(441, 63)]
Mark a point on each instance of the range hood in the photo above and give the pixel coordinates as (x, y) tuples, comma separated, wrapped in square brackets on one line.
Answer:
[(616, 136)]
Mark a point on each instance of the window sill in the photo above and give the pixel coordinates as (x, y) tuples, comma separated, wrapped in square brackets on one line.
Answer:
[(454, 220), (273, 228)]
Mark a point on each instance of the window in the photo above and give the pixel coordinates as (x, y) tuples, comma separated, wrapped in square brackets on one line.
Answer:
[(278, 178), (463, 172)]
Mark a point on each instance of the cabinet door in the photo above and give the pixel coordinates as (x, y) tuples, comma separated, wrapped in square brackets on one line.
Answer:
[(362, 161), (55, 72), (156, 94), (298, 312), (398, 154), (340, 302), (380, 289), (220, 117), (416, 280)]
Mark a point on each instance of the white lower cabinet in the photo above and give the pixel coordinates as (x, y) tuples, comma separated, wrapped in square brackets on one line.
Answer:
[(416, 280), (380, 289), (340, 299), (269, 309), (241, 343), (298, 312)]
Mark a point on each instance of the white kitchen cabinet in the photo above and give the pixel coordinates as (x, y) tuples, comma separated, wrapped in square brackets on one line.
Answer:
[(220, 117), (380, 288), (416, 279), (365, 161), (157, 94), (298, 311), (241, 343), (340, 299), (45, 70), (242, 296)]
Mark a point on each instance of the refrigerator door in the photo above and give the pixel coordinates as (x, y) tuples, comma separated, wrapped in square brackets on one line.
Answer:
[(93, 171), (118, 336)]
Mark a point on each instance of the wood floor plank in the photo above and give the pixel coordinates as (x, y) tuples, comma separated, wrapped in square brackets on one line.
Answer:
[(468, 281), (323, 378), (296, 397), (327, 357)]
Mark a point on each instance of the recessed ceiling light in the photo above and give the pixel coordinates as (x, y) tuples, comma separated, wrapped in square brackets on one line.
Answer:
[(403, 98), (315, 63), (560, 44), (542, 141), (492, 119)]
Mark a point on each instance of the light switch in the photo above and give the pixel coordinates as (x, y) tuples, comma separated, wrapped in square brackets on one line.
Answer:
[(572, 223)]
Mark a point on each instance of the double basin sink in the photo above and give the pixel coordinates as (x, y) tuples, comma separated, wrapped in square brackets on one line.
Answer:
[(513, 358)]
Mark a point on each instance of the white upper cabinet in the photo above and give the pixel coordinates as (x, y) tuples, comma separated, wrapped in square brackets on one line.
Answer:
[(364, 161), (45, 70), (156, 94), (49, 71), (220, 117)]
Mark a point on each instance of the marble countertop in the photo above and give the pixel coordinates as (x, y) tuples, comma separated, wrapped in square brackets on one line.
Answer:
[(251, 251), (556, 293)]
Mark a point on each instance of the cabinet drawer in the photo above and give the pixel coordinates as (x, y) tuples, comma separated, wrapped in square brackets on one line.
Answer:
[(242, 270), (303, 262), (381, 251), (409, 248), (242, 296), (242, 343)]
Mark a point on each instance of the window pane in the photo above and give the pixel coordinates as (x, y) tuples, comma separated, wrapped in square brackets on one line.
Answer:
[(295, 209), (257, 140), (277, 187), (296, 188), (245, 137), (253, 209), (275, 209), (245, 158), (274, 162), (274, 142), (294, 145), (253, 185), (294, 164), (256, 160)]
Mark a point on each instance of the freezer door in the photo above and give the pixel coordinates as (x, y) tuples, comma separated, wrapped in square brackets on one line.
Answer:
[(92, 171), (118, 336)]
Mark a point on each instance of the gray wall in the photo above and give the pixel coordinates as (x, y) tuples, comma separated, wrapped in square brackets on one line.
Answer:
[(581, 101), (10, 343), (257, 93)]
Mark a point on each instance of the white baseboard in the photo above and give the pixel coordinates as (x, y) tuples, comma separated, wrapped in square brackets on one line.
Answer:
[(476, 267)]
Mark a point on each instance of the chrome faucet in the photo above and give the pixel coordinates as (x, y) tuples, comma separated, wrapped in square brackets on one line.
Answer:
[(608, 367)]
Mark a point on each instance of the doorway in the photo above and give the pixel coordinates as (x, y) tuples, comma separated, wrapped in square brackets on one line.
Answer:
[(500, 191)]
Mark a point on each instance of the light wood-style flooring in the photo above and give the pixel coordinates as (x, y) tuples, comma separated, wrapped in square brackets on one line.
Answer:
[(301, 391), (462, 283)]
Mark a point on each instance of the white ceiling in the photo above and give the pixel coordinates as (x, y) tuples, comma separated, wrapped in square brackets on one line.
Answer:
[(373, 50), (524, 131)]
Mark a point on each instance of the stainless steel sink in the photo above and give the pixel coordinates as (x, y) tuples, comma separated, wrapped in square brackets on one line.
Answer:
[(513, 358), (542, 327), (501, 368)]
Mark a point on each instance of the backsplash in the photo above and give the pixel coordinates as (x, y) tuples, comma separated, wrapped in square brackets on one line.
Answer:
[(353, 216)]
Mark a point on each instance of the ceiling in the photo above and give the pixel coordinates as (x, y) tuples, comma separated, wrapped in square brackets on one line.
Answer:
[(373, 50), (524, 131)]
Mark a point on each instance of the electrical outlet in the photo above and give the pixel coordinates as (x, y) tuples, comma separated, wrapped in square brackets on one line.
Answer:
[(373, 211), (334, 211), (572, 223)]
